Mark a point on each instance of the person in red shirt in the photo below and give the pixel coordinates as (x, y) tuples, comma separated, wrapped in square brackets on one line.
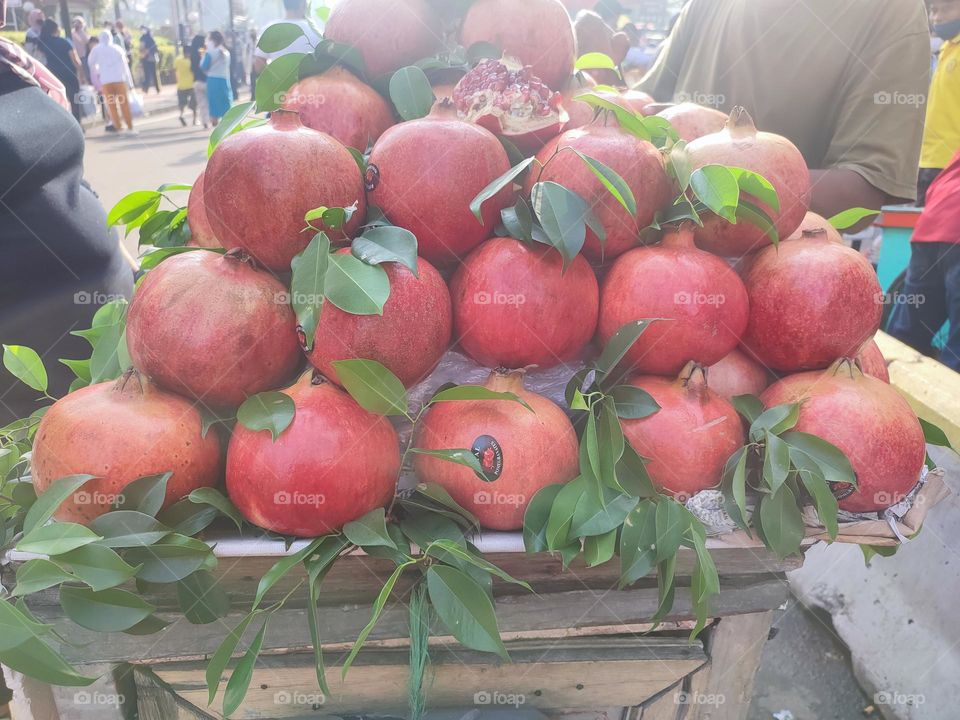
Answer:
[(931, 293)]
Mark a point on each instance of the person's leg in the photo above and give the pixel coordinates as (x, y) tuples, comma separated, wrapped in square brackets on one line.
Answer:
[(950, 258), (111, 96), (144, 67), (920, 308), (125, 106)]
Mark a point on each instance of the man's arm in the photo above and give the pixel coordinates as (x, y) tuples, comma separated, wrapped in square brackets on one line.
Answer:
[(839, 189)]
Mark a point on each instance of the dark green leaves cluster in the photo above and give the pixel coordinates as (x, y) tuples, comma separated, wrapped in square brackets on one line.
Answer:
[(158, 228)]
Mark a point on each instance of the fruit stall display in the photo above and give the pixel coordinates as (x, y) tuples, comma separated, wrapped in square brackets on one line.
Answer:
[(438, 294)]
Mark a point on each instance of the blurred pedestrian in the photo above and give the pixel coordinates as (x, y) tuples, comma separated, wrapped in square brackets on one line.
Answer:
[(149, 57), (32, 38), (81, 38), (98, 87), (185, 80), (124, 40), (62, 61), (110, 71), (216, 65), (199, 80)]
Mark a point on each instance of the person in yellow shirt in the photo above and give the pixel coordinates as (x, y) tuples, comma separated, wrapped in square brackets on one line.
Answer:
[(185, 96), (941, 133)]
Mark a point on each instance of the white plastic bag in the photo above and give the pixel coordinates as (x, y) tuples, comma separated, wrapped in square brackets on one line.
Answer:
[(87, 100), (136, 103)]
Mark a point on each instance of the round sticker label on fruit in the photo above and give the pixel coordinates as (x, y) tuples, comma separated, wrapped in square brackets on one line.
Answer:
[(488, 451), (842, 490)]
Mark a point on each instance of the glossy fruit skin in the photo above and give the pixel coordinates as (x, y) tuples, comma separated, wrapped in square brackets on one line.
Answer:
[(213, 328), (689, 439), (737, 373), (811, 301), (514, 307), (338, 103), (334, 463), (426, 174), (638, 162), (578, 112), (813, 223), (201, 233), (872, 361), (869, 421), (389, 34), (408, 338), (261, 182), (119, 431), (537, 449), (538, 33), (772, 156), (692, 121), (702, 301)]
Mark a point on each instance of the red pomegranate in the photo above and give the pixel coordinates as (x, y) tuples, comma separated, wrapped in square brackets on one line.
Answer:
[(119, 431), (334, 463), (259, 184), (632, 100), (408, 338), (201, 234), (511, 103), (811, 301), (535, 32), (425, 173), (774, 157), (389, 34), (340, 104), (213, 327), (514, 306), (638, 162), (869, 421), (738, 374), (872, 361), (813, 223), (692, 121), (690, 438), (520, 451), (701, 300)]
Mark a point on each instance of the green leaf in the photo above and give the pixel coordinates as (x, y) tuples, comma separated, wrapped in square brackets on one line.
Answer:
[(475, 392), (598, 549), (818, 488), (535, 519), (283, 566), (170, 560), (504, 181), (133, 207), (781, 521), (678, 165), (186, 518), (593, 517), (716, 187), (229, 124), (734, 478), (757, 186), (98, 566), (638, 540), (105, 610), (438, 494), (26, 366), (39, 574), (145, 494), (151, 259), (355, 287), (448, 546), (934, 435), (561, 514), (411, 93), (590, 457), (278, 36), (610, 443), (378, 606), (775, 421), (518, 220), (276, 79), (464, 609), (562, 214), (632, 475), (128, 528), (271, 411), (36, 659), (460, 456), (56, 538), (628, 120), (373, 386), (850, 217), (671, 522), (387, 244), (594, 61), (148, 626), (216, 499), (833, 463), (243, 673), (748, 406), (620, 344), (371, 529), (18, 625), (776, 461), (51, 499), (633, 403), (307, 284), (317, 568), (221, 657), (612, 181)]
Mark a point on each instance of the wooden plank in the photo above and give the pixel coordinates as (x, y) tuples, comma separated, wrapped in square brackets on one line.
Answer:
[(580, 673), (931, 388), (561, 611), (661, 707), (722, 689)]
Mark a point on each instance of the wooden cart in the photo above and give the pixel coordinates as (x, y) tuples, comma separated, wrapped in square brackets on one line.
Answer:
[(580, 647)]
